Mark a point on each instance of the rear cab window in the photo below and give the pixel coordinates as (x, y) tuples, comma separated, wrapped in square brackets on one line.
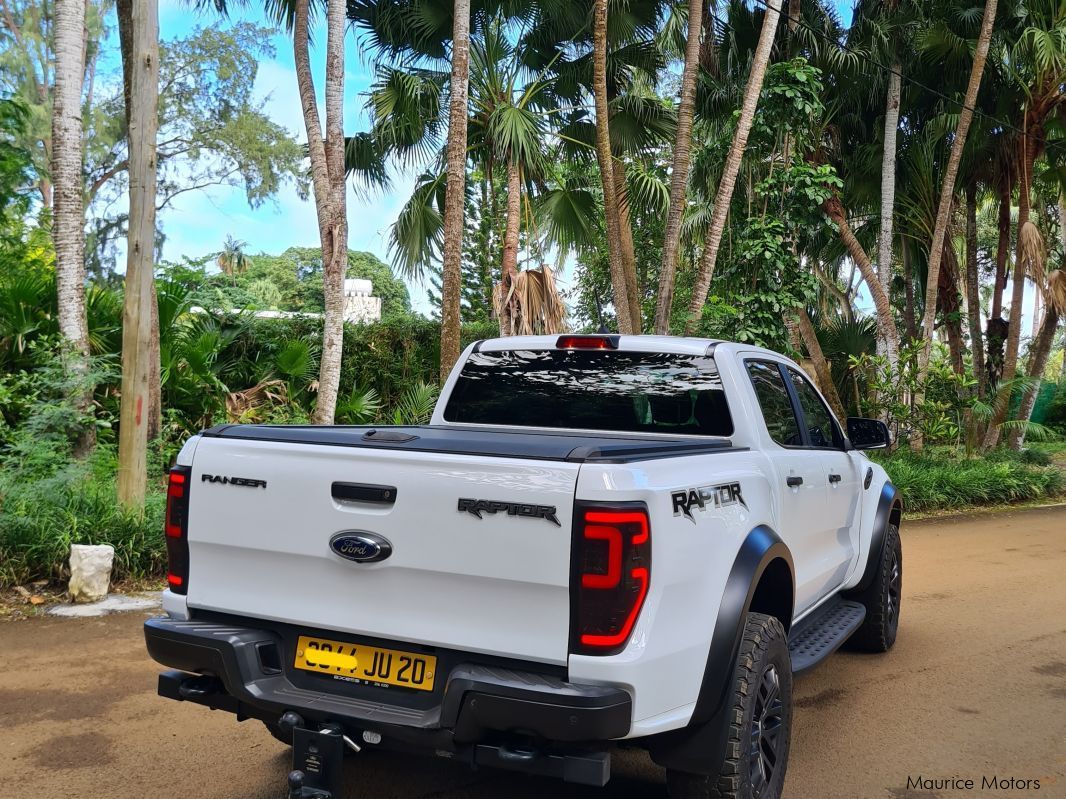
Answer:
[(822, 429), (626, 392), (775, 403)]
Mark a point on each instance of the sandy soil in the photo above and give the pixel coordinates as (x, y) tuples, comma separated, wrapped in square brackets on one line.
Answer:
[(975, 688)]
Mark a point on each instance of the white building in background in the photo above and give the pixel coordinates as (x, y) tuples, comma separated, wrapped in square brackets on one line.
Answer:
[(360, 307)]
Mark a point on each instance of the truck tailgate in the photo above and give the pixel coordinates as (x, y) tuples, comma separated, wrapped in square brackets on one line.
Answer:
[(496, 584)]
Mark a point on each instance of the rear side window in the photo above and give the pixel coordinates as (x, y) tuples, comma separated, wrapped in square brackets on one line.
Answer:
[(630, 392), (821, 428), (775, 403)]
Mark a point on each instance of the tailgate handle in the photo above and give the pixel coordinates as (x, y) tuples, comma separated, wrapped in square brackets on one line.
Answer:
[(365, 492)]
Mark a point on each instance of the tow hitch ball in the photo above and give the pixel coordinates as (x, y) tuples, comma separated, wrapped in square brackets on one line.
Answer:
[(317, 759)]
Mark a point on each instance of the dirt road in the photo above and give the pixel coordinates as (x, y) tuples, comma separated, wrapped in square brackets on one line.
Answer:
[(975, 689)]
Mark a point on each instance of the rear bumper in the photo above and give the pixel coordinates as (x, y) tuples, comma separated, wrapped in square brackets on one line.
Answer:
[(478, 703)]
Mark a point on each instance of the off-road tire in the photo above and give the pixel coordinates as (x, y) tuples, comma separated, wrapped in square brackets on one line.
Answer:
[(882, 600), (762, 664)]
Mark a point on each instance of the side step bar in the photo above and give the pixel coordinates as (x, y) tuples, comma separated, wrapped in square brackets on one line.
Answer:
[(817, 637)]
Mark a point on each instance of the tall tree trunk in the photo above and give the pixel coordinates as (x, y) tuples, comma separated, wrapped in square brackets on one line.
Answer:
[(889, 349), (948, 290), (335, 256), (1002, 250), (947, 193), (68, 220), (629, 253), (679, 171), (793, 16), (886, 322), (821, 367), (137, 310), (973, 302), (1038, 312), (996, 328), (327, 179), (1038, 358), (1013, 340), (455, 193), (724, 197), (838, 294), (1029, 145), (605, 158), (908, 293), (510, 249), (1040, 350), (153, 427)]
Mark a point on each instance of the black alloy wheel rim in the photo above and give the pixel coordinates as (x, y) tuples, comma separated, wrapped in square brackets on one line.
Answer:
[(767, 731), (894, 589)]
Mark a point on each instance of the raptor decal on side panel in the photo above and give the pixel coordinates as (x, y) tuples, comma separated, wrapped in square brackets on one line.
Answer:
[(716, 496)]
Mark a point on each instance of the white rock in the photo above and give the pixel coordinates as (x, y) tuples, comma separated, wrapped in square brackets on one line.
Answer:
[(90, 571)]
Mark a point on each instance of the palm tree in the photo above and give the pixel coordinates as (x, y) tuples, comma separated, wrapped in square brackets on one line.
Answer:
[(232, 260), (679, 172), (622, 299), (456, 187), (68, 221), (1038, 61), (509, 128), (947, 194), (973, 303), (510, 110), (891, 39), (724, 197), (1053, 289)]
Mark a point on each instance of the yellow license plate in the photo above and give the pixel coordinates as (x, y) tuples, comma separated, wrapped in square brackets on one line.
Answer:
[(361, 663)]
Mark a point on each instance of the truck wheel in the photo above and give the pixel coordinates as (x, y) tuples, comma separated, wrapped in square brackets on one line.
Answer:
[(760, 722), (882, 600)]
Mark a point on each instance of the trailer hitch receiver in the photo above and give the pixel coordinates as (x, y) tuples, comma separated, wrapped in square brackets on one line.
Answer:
[(317, 763)]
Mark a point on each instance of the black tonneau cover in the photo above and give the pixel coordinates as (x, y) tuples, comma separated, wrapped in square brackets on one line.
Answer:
[(458, 440)]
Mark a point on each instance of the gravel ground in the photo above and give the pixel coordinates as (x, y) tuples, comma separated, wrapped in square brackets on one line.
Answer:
[(974, 689)]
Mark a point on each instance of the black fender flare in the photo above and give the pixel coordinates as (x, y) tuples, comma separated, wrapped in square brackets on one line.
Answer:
[(888, 505), (702, 743)]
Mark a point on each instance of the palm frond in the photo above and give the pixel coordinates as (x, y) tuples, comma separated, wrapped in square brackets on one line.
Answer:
[(415, 405)]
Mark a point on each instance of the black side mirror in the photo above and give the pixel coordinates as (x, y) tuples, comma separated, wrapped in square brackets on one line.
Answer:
[(868, 433)]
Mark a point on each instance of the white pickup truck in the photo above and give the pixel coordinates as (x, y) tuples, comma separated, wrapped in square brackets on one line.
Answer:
[(598, 541)]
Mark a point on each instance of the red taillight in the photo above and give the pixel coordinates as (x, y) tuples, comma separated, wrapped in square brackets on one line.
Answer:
[(587, 342), (176, 528), (612, 568)]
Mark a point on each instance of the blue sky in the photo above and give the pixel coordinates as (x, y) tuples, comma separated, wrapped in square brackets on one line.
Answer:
[(198, 223)]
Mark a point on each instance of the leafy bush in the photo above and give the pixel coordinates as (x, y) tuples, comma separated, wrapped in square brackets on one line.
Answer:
[(943, 482), (40, 519), (48, 499), (947, 398), (1029, 455)]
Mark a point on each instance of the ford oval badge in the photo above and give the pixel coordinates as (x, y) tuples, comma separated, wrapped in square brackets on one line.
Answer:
[(360, 546)]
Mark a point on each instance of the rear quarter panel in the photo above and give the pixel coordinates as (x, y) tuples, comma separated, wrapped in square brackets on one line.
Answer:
[(663, 664)]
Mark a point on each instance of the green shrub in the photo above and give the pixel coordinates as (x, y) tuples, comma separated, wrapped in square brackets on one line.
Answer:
[(1030, 455), (40, 519), (49, 500), (941, 482)]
